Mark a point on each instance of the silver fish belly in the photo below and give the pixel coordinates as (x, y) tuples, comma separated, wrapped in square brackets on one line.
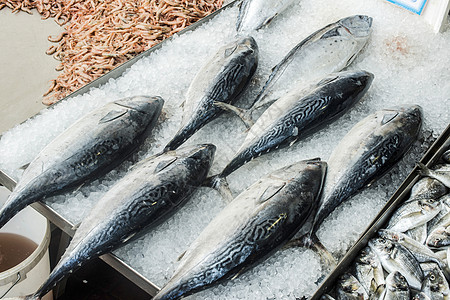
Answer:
[(325, 51), (91, 147), (256, 223), (366, 152), (299, 114), (255, 14), (222, 79), (151, 191)]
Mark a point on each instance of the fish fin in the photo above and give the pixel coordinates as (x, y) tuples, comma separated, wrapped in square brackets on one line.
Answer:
[(24, 166), (294, 243), (181, 256), (164, 164), (376, 294), (112, 115), (325, 256), (221, 185), (266, 22), (270, 191), (423, 170), (243, 114)]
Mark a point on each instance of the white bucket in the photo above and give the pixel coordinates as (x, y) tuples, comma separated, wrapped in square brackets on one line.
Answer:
[(26, 277)]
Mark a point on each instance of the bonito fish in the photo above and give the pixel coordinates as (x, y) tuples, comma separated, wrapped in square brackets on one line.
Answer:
[(327, 50), (153, 188), (255, 14), (367, 151), (299, 114), (222, 79), (89, 148), (256, 223)]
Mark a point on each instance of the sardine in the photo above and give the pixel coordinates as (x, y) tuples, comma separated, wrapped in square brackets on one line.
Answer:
[(222, 79), (442, 173), (368, 270), (349, 288), (255, 14), (395, 257), (366, 152), (434, 284), (325, 51), (396, 287), (299, 114), (414, 213), (256, 223), (151, 191), (89, 148)]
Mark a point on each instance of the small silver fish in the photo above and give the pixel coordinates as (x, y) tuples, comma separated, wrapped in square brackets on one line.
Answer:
[(348, 287), (395, 257), (396, 287), (442, 173), (434, 284), (427, 188), (440, 237), (368, 270)]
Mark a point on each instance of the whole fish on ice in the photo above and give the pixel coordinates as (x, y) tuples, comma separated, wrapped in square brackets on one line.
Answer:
[(256, 223), (366, 152), (255, 14), (298, 114), (327, 50), (222, 79), (153, 189), (91, 147)]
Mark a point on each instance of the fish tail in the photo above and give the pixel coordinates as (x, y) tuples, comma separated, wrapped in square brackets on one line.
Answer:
[(11, 208), (423, 170), (325, 256), (220, 184)]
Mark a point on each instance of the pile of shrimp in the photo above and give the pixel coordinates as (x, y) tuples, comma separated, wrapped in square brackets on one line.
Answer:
[(102, 34)]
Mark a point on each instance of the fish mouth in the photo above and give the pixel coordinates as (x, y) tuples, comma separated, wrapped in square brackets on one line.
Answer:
[(137, 103)]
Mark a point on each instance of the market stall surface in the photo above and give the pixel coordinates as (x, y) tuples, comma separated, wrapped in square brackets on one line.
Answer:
[(410, 65)]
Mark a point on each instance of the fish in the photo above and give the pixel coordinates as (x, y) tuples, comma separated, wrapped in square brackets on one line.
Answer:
[(250, 228), (255, 14), (368, 270), (222, 79), (440, 237), (427, 188), (443, 217), (91, 147), (297, 115), (348, 287), (446, 156), (367, 151), (395, 257), (327, 50), (414, 213), (418, 233), (152, 190), (442, 173), (397, 287), (434, 284)]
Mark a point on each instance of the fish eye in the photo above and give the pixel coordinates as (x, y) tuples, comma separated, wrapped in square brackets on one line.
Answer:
[(432, 277)]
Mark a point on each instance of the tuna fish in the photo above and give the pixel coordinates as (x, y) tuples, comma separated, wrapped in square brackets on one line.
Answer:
[(88, 149), (151, 191), (299, 114), (256, 223), (222, 79), (327, 50), (366, 152), (255, 14)]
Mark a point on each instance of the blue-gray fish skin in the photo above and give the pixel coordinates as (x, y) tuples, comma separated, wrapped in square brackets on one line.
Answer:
[(301, 113), (151, 191), (222, 79), (254, 225), (369, 149), (91, 147)]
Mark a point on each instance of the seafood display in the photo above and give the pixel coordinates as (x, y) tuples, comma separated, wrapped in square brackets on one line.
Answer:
[(153, 189), (256, 223), (329, 49), (398, 263), (221, 80), (91, 147)]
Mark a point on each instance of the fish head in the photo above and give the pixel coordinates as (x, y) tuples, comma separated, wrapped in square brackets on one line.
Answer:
[(408, 119), (381, 246), (439, 238), (244, 46), (358, 25), (199, 158), (144, 109), (397, 281), (389, 235), (429, 205)]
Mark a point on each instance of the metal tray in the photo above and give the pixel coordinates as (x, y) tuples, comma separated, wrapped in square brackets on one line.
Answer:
[(430, 157), (65, 225)]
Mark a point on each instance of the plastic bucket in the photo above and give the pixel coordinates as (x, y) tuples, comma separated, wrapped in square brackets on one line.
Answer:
[(26, 277)]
